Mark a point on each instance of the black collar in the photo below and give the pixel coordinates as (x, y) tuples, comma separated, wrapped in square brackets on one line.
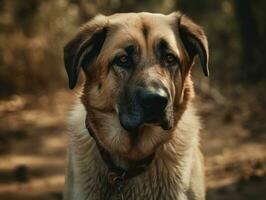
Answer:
[(117, 173)]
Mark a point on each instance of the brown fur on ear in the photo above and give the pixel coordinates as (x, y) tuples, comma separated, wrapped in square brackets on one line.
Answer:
[(84, 47), (194, 40)]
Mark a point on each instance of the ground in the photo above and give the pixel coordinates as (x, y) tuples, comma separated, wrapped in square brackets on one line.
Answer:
[(33, 144)]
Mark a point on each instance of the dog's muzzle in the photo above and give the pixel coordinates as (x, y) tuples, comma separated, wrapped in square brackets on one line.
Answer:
[(146, 106)]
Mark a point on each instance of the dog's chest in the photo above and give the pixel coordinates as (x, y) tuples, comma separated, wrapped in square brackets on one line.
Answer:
[(148, 191), (146, 186)]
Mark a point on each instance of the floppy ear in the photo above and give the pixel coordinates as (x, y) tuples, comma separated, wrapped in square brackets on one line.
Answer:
[(83, 49), (195, 41)]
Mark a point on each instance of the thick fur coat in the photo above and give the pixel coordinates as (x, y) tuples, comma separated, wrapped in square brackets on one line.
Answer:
[(137, 101), (175, 173)]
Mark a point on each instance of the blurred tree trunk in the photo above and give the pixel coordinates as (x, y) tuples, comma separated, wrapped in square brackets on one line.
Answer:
[(86, 12), (89, 9), (252, 55)]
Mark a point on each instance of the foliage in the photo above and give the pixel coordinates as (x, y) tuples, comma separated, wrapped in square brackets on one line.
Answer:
[(31, 40), (33, 34)]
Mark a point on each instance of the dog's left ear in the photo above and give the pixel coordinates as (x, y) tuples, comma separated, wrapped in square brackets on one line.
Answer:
[(194, 40), (82, 50)]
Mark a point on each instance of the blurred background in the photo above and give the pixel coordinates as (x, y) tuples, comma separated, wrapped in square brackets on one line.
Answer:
[(35, 100)]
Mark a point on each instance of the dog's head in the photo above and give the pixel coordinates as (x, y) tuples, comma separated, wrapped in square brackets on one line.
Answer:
[(137, 68)]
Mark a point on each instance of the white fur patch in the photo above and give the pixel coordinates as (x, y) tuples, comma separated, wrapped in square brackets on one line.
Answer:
[(76, 119)]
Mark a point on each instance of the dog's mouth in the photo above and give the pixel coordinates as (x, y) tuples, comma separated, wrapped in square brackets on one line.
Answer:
[(131, 120)]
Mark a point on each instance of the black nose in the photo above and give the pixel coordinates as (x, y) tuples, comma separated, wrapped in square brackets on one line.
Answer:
[(153, 100)]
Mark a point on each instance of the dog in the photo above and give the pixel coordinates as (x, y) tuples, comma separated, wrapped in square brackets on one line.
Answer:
[(134, 133)]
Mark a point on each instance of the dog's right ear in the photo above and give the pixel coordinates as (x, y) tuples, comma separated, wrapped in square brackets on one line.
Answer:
[(83, 49)]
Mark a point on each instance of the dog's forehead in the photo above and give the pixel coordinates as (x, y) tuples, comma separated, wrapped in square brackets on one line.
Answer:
[(141, 28), (143, 18)]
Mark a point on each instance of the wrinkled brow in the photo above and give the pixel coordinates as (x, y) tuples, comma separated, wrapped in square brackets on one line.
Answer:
[(161, 45)]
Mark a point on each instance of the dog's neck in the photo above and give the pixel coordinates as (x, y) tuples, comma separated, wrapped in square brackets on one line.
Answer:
[(117, 166)]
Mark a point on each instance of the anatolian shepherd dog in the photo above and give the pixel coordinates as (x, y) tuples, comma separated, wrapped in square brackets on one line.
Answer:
[(134, 133)]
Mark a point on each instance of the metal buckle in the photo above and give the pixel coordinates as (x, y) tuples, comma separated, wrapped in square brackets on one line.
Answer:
[(114, 179), (118, 183)]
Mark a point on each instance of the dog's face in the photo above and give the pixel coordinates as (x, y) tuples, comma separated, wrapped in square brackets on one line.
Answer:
[(137, 76)]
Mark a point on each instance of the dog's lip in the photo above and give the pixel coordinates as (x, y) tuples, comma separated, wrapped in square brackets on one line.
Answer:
[(166, 125), (133, 127), (130, 122), (162, 120)]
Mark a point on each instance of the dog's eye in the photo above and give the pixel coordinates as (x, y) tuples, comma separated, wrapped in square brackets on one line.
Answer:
[(122, 61), (170, 59)]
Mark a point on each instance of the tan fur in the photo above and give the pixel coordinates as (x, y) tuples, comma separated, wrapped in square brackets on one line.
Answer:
[(176, 172)]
